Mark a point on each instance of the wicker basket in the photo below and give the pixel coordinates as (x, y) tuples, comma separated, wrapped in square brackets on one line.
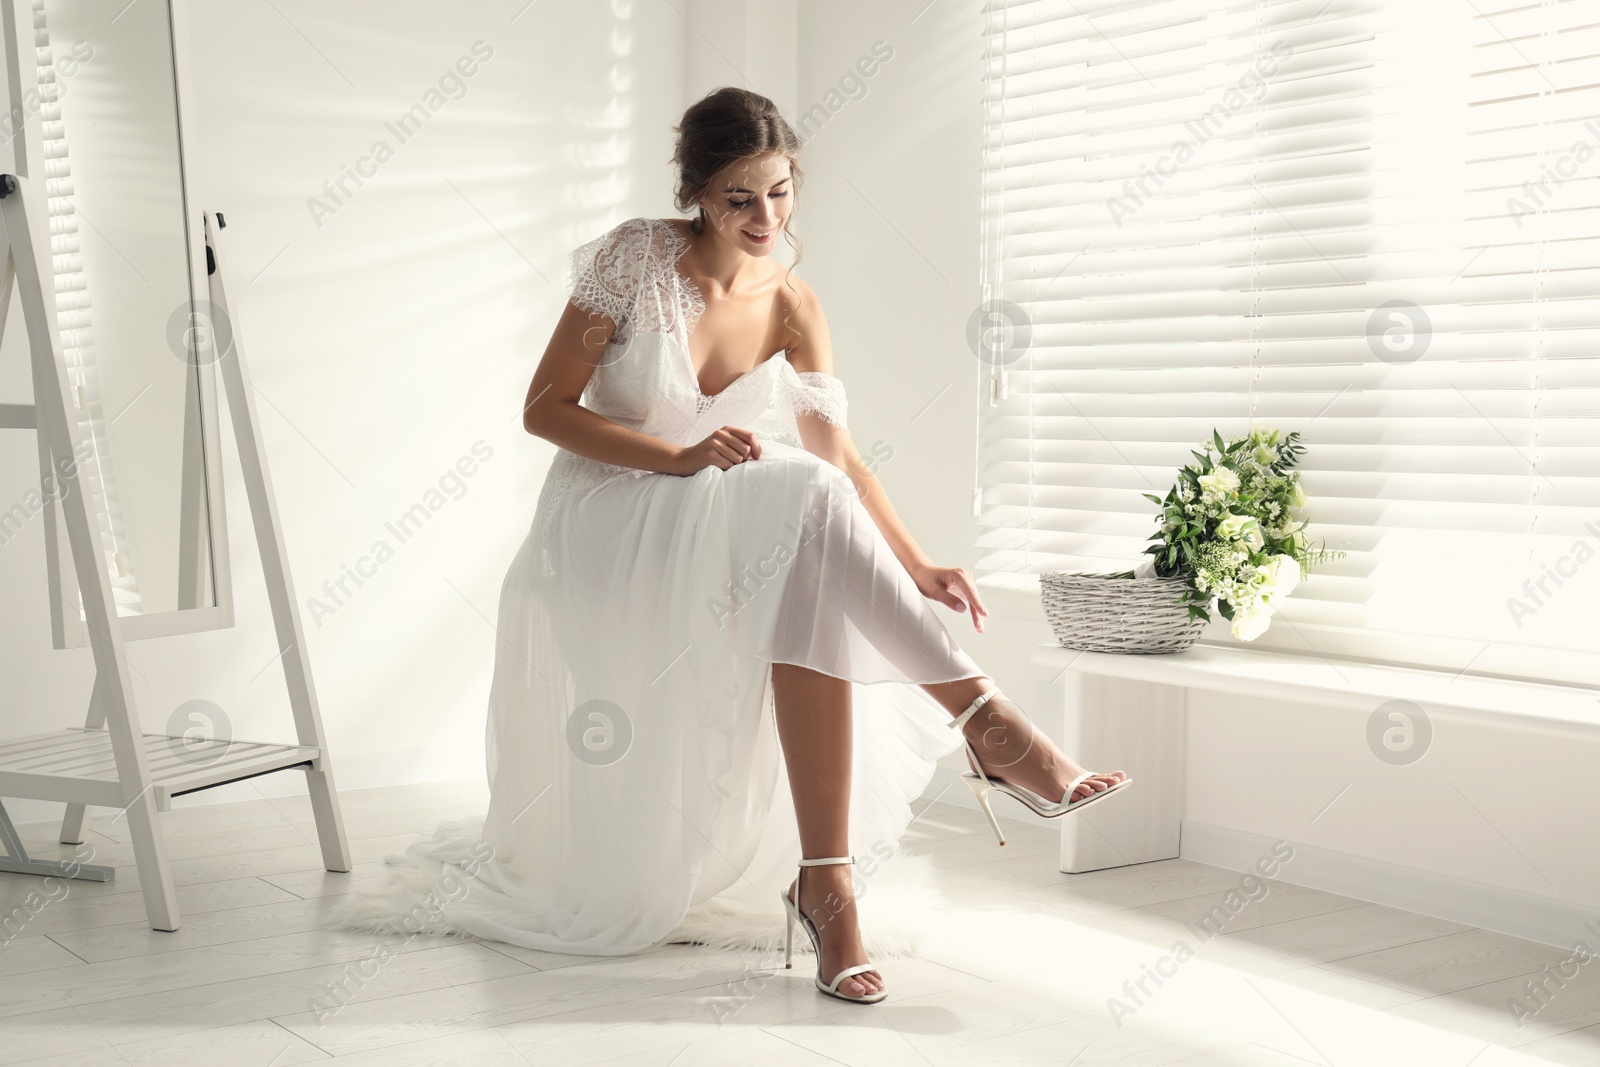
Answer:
[(1099, 614)]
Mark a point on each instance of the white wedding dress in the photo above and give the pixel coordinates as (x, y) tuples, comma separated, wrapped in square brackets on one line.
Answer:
[(633, 760)]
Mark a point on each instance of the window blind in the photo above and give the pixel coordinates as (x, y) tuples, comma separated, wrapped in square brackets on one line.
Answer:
[(1367, 220)]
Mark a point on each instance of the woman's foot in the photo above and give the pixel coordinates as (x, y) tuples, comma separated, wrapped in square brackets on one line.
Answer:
[(1009, 747), (828, 899)]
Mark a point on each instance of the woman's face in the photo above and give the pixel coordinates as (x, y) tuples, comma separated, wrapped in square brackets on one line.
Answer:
[(748, 204)]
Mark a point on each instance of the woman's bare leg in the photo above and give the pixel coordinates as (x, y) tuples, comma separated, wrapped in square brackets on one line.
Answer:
[(814, 726), (1010, 747)]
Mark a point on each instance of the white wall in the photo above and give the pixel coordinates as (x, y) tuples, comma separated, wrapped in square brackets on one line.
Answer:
[(891, 235), (1501, 803)]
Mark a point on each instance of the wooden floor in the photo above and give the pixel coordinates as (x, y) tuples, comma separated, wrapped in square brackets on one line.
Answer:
[(1024, 975)]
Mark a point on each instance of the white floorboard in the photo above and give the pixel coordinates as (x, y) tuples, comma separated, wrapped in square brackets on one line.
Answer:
[(1028, 970)]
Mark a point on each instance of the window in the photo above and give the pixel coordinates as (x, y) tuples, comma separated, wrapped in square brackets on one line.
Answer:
[(1373, 222)]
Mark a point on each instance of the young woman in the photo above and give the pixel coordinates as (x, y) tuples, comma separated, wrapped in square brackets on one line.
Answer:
[(709, 545)]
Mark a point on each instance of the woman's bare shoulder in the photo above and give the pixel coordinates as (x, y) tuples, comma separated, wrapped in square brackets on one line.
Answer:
[(803, 307), (806, 328), (797, 295)]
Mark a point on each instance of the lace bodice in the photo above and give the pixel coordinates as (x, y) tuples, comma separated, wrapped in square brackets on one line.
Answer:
[(646, 379)]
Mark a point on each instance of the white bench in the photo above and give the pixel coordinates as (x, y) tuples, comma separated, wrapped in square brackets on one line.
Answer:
[(1146, 736)]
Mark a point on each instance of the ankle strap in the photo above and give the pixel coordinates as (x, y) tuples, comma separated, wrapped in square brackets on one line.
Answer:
[(961, 720), (829, 859)]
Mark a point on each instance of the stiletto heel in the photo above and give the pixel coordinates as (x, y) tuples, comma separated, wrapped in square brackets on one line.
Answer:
[(980, 789), (981, 784), (793, 915)]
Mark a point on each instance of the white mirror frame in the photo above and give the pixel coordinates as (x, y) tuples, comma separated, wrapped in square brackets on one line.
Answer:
[(68, 629)]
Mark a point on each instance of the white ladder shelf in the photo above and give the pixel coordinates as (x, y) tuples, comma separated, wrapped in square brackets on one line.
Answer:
[(111, 762), (78, 764)]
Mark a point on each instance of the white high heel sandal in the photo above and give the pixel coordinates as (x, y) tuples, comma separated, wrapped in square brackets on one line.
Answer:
[(793, 915), (981, 784)]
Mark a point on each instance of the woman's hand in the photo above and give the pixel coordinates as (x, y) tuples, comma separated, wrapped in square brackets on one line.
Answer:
[(954, 588), (724, 448)]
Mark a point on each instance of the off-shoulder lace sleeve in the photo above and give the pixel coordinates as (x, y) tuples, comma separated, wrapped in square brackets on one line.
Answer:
[(811, 392), (606, 274)]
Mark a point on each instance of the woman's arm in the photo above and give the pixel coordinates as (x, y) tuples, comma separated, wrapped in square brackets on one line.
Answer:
[(551, 410), (813, 351)]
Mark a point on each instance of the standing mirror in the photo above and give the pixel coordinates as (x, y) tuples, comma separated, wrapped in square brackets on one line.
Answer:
[(129, 269), (102, 245)]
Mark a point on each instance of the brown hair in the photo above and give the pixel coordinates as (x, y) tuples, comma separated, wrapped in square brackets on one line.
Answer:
[(723, 127)]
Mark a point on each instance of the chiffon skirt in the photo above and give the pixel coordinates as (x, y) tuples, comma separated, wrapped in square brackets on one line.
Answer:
[(633, 759)]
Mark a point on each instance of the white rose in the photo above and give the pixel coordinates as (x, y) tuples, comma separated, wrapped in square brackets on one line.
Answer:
[(1283, 574), (1265, 454), (1234, 527), (1288, 572), (1297, 495), (1221, 481), (1247, 626)]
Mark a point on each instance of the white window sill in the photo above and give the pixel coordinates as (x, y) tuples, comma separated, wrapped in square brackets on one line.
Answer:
[(1283, 675)]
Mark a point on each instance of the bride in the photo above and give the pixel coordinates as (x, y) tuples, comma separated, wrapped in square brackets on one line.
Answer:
[(713, 574)]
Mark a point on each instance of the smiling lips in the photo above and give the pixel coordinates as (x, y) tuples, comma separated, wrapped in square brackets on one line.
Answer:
[(758, 238)]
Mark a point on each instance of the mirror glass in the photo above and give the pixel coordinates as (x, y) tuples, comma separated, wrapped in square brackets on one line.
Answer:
[(124, 291)]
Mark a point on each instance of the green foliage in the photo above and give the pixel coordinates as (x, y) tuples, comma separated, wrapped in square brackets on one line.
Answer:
[(1225, 518)]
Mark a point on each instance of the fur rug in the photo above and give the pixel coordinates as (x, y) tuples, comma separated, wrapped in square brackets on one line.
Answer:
[(392, 906), (900, 901)]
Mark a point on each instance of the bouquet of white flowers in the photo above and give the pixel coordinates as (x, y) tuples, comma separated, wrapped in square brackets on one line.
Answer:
[(1232, 526)]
